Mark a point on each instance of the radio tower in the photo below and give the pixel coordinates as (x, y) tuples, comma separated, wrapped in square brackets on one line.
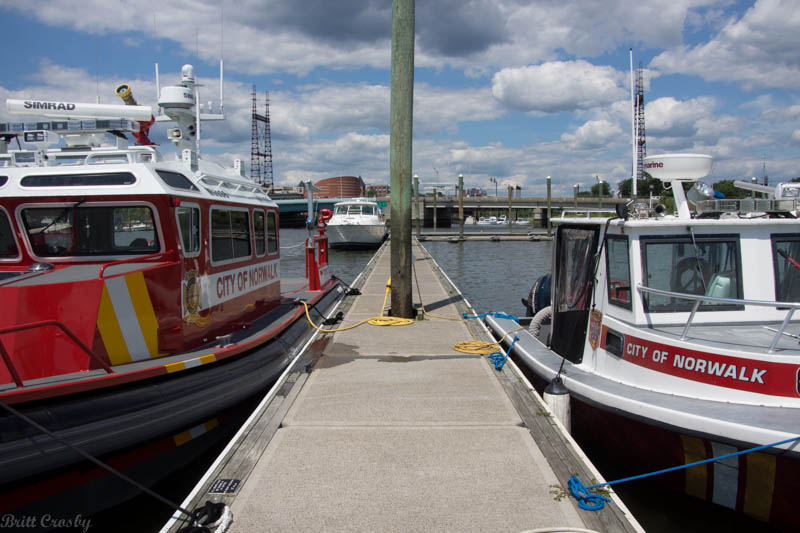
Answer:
[(261, 145), (641, 143)]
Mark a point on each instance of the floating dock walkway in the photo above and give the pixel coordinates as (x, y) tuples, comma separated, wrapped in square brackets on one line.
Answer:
[(391, 429)]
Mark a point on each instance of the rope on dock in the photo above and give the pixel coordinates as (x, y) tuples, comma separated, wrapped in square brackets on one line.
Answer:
[(476, 347), (582, 494), (379, 320), (499, 358)]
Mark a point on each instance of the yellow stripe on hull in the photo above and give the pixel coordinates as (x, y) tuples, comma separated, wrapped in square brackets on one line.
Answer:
[(110, 332), (759, 486), (137, 288), (133, 335), (696, 476)]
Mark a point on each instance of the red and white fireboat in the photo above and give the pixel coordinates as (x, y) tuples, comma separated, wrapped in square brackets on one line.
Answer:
[(141, 295)]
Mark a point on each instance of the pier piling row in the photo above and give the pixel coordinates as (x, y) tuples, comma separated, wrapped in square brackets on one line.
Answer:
[(391, 429)]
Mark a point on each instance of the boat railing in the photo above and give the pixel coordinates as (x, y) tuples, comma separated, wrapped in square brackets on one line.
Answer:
[(135, 259), (586, 213), (790, 307), (12, 369)]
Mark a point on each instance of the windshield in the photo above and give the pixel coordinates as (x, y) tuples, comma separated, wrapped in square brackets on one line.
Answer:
[(79, 230), (709, 266)]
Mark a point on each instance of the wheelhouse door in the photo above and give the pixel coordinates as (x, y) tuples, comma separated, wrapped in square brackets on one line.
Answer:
[(573, 280)]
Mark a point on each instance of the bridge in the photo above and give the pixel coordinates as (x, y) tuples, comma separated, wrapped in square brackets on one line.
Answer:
[(293, 211)]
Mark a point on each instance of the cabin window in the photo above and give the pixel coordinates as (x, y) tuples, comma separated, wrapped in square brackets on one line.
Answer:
[(176, 180), (272, 233), (230, 234), (786, 259), (189, 226), (710, 266), (79, 180), (78, 230), (8, 246), (259, 232), (107, 159), (3, 180), (67, 160), (619, 271)]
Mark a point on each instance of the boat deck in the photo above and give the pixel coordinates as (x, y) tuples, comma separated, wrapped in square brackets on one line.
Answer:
[(752, 338), (393, 429)]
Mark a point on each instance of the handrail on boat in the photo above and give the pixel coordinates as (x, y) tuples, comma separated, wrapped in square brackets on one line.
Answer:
[(33, 325), (698, 298), (133, 259)]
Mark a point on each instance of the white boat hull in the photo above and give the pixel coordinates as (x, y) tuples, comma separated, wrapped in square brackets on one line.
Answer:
[(356, 235)]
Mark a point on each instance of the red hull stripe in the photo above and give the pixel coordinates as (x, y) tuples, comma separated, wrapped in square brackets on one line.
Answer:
[(764, 377)]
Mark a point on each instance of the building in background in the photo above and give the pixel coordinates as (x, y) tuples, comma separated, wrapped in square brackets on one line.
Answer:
[(341, 187), (380, 190)]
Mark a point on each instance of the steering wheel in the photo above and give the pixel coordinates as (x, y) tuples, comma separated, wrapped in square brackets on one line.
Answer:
[(687, 278)]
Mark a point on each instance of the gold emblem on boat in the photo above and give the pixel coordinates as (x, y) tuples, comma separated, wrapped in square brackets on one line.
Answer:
[(191, 300), (595, 322)]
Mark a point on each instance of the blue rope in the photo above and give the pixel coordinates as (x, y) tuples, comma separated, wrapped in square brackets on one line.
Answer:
[(579, 491), (494, 314), (586, 500), (499, 358)]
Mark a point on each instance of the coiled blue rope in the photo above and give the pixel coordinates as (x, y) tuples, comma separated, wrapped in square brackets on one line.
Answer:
[(499, 358), (494, 314), (582, 494)]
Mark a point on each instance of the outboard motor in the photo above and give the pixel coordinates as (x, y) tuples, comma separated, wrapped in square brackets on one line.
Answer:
[(539, 296)]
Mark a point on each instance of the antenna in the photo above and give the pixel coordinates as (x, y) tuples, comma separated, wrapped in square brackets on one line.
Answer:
[(633, 131), (158, 89)]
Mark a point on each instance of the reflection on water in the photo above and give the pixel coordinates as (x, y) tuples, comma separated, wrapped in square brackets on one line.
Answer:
[(493, 276)]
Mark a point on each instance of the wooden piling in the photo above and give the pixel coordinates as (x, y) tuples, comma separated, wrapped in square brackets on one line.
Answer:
[(400, 154)]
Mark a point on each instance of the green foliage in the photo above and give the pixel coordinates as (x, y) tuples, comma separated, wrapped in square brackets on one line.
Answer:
[(727, 188), (596, 189), (642, 187)]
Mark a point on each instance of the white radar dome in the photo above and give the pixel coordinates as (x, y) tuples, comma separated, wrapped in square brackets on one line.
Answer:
[(678, 167)]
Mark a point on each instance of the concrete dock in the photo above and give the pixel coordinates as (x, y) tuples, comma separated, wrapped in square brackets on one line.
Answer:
[(391, 429)]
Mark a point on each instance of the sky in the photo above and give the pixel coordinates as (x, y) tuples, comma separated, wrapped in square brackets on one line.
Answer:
[(513, 90)]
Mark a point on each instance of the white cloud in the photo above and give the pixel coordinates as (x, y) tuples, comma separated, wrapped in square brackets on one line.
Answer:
[(594, 134), (558, 86), (756, 51), (668, 117)]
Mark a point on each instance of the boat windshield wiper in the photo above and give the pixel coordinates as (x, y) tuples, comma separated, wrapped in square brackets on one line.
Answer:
[(60, 218), (697, 265)]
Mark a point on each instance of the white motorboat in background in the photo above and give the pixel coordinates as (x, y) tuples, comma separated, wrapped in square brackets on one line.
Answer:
[(357, 223)]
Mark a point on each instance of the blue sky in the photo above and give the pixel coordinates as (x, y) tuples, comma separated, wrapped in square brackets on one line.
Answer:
[(512, 89)]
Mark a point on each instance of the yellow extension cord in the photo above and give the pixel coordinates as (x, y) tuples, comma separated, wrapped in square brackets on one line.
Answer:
[(476, 347)]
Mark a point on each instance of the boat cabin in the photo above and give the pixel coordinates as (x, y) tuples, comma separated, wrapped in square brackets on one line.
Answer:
[(666, 292), (135, 256)]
